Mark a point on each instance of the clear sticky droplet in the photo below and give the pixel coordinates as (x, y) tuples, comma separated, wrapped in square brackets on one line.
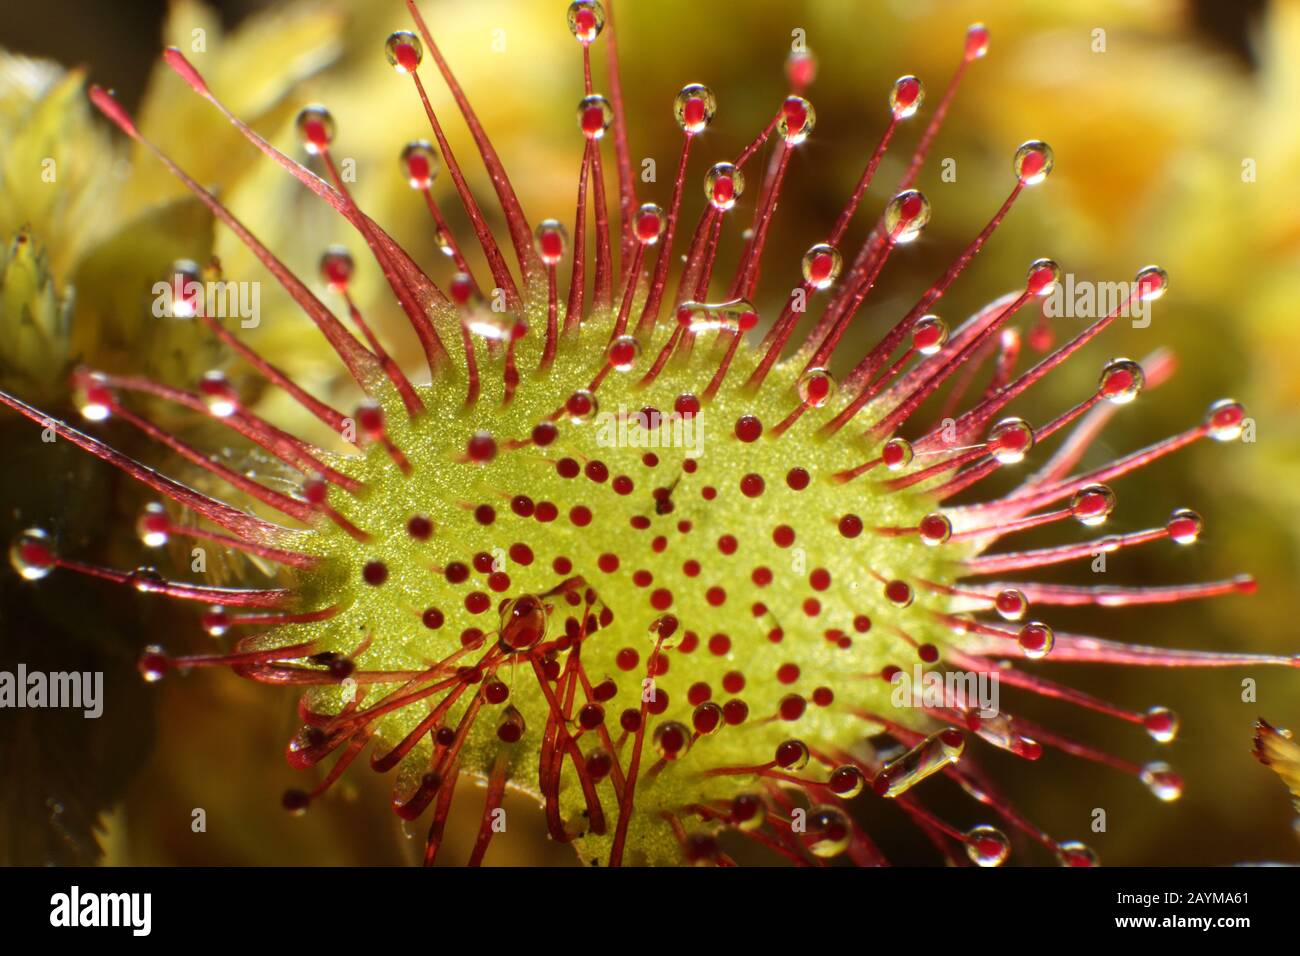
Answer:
[(153, 527), (723, 185), (829, 832), (1092, 505), (1033, 162), (1161, 724), (929, 334), (420, 163), (671, 739), (1043, 277), (1074, 853), (336, 268), (734, 315), (316, 128), (152, 663), (218, 394), (792, 754), (707, 718), (586, 19), (523, 624), (447, 246), (1184, 526), (1036, 639), (1010, 440), (906, 97), (906, 216), (93, 398), (899, 593), (925, 759), (594, 116), (847, 781), (1011, 604), (1000, 731), (1225, 420), (511, 727), (551, 240), (1122, 380), (32, 554), (649, 224), (797, 120), (404, 51), (821, 265), (1152, 283), (215, 621), (146, 580), (897, 454), (1162, 780), (815, 387), (581, 406), (694, 107), (986, 845), (934, 529), (977, 41), (185, 295), (623, 353)]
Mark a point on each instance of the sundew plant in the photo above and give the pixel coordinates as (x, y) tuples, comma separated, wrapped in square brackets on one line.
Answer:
[(616, 535)]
